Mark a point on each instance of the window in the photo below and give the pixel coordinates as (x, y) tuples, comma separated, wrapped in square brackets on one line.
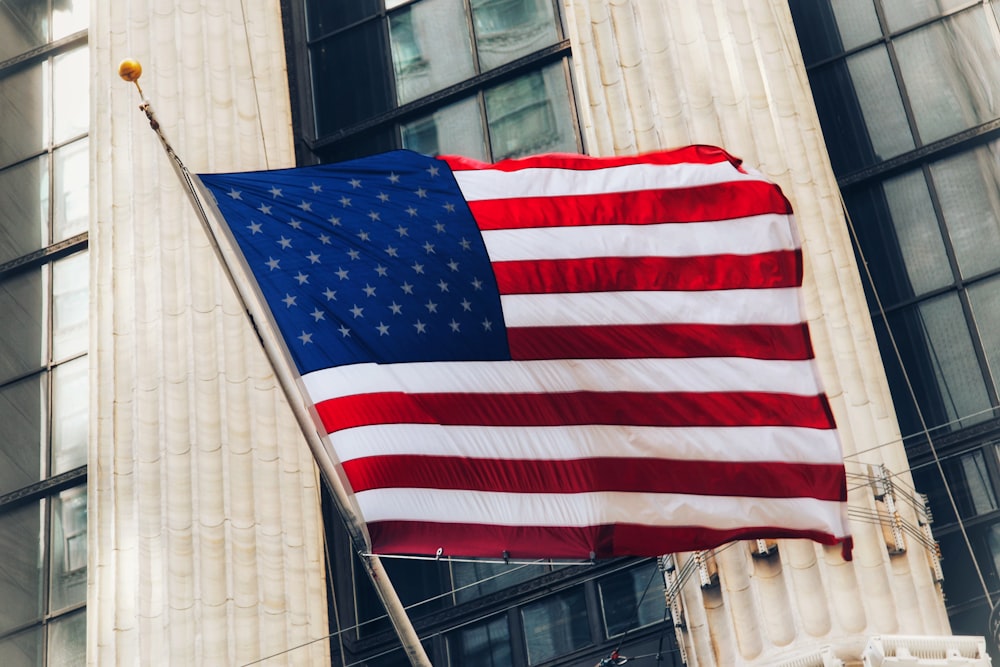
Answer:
[(556, 625), (485, 644), (631, 599)]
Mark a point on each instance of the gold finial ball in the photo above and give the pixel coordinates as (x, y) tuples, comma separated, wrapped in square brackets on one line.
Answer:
[(130, 70)]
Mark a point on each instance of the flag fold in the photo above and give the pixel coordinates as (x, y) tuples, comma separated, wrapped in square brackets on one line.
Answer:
[(556, 356)]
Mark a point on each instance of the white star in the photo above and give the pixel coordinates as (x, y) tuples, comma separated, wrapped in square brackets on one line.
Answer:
[(344, 331), (453, 265), (324, 239), (357, 311), (295, 224), (285, 243), (331, 295), (318, 315), (341, 273), (265, 209), (382, 271), (466, 305), (411, 211), (407, 288), (302, 278), (487, 325), (289, 300), (449, 207), (345, 201), (383, 197), (235, 194), (375, 216), (316, 188), (273, 263), (306, 338), (355, 183), (477, 284), (363, 236), (439, 228), (429, 248), (396, 308), (305, 206), (334, 220), (383, 329), (454, 325), (432, 170), (391, 251), (314, 258), (369, 290), (402, 231), (421, 193), (275, 192), (442, 285), (418, 268), (420, 327), (393, 177), (354, 253), (466, 244), (254, 228), (431, 307)]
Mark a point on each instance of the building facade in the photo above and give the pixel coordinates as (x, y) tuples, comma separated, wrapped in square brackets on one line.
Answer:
[(159, 505)]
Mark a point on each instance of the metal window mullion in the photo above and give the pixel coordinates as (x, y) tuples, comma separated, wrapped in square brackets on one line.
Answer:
[(898, 74)]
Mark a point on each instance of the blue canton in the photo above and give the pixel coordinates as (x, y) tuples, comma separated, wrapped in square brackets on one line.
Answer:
[(372, 260)]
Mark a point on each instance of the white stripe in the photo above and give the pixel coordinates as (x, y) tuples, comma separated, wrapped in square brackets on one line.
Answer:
[(548, 443), (592, 509), (745, 236), (558, 376), (738, 306), (480, 184)]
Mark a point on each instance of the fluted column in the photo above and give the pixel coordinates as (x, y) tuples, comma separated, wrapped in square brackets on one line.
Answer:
[(205, 522)]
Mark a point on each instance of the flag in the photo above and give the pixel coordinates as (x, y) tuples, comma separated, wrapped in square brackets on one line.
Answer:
[(557, 356)]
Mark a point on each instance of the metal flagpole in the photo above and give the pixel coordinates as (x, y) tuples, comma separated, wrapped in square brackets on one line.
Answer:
[(131, 70)]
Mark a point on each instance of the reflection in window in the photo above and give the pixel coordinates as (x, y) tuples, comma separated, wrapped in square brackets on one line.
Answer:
[(556, 625), (431, 47), (917, 232), (463, 134), (24, 210), (485, 644), (509, 29), (71, 212), (530, 114), (632, 599), (68, 641), (70, 415), (68, 564), (71, 103), (70, 303)]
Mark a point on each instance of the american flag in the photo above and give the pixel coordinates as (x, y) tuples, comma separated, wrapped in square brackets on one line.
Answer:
[(557, 356)]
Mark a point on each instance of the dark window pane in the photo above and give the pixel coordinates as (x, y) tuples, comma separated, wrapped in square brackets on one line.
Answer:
[(22, 105), (472, 580), (366, 143), (828, 27), (632, 599), (509, 29), (23, 649), (556, 625), (952, 73), (24, 208), (22, 302), (20, 574), (483, 645), (351, 78), (22, 26), (969, 480), (21, 419), (431, 47), (325, 16)]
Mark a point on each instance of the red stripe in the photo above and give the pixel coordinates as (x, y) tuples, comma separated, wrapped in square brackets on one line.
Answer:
[(620, 274), (608, 541), (661, 341), (710, 478), (579, 408), (686, 155), (705, 203)]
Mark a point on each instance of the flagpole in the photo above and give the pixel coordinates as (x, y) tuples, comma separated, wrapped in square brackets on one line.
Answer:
[(130, 70)]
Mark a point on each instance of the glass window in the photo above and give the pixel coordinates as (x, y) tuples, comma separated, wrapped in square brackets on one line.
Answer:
[(24, 208), (951, 69), (325, 16), (826, 29), (70, 415), (461, 131), (472, 580), (903, 13), (70, 304), (556, 625), (984, 298), (22, 302), (68, 641), (68, 560), (509, 29), (23, 649), (21, 432), (531, 114), (485, 644), (71, 102), (72, 190), (23, 97), (632, 599), (23, 26), (431, 47), (69, 16), (968, 187), (20, 571)]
